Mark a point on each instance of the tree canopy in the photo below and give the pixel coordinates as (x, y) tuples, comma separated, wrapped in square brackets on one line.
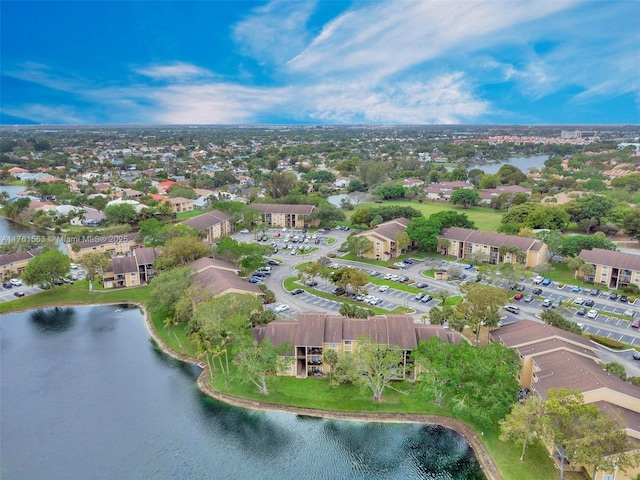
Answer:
[(47, 268)]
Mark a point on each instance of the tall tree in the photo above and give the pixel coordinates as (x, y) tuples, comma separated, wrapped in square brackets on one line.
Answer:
[(373, 366), (481, 305), (524, 423), (256, 361), (351, 279), (180, 251), (465, 197), (95, 264), (359, 245), (47, 268)]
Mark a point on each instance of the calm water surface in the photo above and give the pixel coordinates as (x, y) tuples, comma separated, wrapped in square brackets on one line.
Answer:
[(85, 395)]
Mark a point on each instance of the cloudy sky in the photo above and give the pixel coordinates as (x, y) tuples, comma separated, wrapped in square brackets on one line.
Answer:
[(320, 62)]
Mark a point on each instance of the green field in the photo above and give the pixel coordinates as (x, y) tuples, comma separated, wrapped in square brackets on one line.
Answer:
[(484, 217)]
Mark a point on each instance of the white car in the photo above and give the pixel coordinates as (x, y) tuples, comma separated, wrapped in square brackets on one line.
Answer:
[(244, 230), (578, 301), (387, 276), (400, 264), (281, 308), (383, 288), (15, 282), (592, 314), (537, 280)]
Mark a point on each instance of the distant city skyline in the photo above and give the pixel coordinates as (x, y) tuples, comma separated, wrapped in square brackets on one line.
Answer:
[(322, 62)]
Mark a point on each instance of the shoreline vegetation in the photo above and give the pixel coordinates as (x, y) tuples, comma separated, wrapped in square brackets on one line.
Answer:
[(481, 442)]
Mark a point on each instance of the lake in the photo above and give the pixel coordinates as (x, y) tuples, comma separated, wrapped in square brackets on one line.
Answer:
[(85, 394), (523, 163)]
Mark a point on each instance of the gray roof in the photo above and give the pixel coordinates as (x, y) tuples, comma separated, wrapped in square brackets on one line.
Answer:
[(218, 282), (122, 265), (283, 208), (388, 230), (599, 256), (206, 220), (146, 255), (10, 258), (207, 262), (491, 239)]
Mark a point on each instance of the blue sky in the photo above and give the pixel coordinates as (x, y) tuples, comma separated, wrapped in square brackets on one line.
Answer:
[(322, 62)]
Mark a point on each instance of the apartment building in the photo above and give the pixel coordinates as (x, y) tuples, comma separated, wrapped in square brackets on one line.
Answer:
[(213, 225), (286, 216), (384, 238), (611, 269), (477, 245)]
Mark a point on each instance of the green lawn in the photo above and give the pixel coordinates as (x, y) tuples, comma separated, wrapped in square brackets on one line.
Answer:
[(484, 217), (191, 214)]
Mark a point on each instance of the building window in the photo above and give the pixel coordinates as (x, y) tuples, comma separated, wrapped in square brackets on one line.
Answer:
[(608, 477), (348, 342), (333, 345)]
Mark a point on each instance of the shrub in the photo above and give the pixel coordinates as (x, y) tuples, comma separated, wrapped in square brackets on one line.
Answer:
[(635, 380), (331, 255), (632, 300), (561, 285), (607, 342)]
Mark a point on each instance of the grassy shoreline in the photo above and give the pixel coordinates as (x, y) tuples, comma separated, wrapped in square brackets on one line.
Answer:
[(309, 396)]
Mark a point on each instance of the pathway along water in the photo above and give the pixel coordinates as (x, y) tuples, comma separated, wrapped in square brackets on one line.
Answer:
[(86, 394)]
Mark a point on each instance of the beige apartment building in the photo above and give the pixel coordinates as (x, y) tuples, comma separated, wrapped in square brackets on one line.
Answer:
[(384, 238), (112, 245), (213, 225), (180, 204), (278, 215), (611, 269), (13, 264), (472, 245)]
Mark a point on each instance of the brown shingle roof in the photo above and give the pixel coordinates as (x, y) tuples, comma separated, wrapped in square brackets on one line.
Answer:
[(206, 220), (18, 256), (279, 331), (283, 208), (599, 256), (146, 255), (218, 282), (425, 332), (205, 263), (388, 230), (492, 239), (311, 330), (122, 265), (528, 332)]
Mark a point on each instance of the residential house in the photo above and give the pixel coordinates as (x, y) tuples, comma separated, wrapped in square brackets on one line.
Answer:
[(13, 264), (384, 238), (443, 191), (316, 332), (611, 269), (554, 358), (475, 245), (412, 182), (342, 182), (180, 204), (112, 245), (17, 171), (213, 224), (285, 215)]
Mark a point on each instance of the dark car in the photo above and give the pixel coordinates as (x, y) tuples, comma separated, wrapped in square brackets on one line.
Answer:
[(256, 280), (338, 291), (613, 296), (594, 292), (6, 285), (273, 262), (589, 303), (426, 299), (19, 294), (581, 311), (311, 283), (623, 299), (420, 285), (636, 355), (297, 291), (419, 296), (537, 291)]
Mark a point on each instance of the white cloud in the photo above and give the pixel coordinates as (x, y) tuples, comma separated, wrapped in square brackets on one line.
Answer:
[(176, 71), (47, 114), (274, 32)]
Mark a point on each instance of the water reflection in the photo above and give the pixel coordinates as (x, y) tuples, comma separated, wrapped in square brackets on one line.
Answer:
[(252, 430), (54, 320)]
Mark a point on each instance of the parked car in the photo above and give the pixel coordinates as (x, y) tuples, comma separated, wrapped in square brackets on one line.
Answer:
[(613, 296), (636, 355), (589, 303), (538, 279), (273, 262), (512, 309), (311, 283), (636, 323), (556, 304), (518, 287), (281, 308), (592, 314), (244, 230), (537, 291), (419, 296), (420, 285), (546, 281), (426, 299), (19, 294), (581, 311), (594, 292), (296, 291), (338, 291), (518, 296), (383, 288), (576, 289), (546, 303), (6, 285), (468, 266), (623, 298), (528, 298), (15, 282), (578, 301)]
